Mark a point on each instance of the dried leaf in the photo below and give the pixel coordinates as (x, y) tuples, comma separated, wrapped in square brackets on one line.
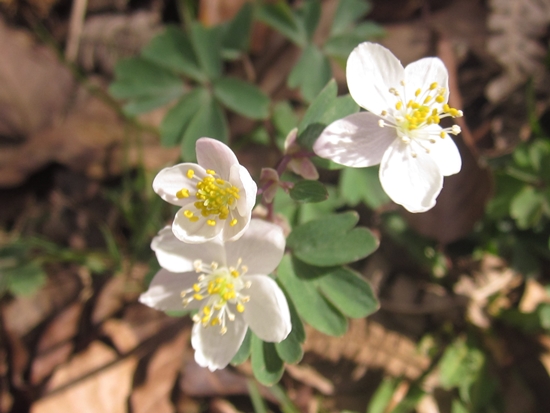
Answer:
[(93, 381), (35, 88), (108, 38), (55, 344), (460, 204), (517, 27), (162, 371)]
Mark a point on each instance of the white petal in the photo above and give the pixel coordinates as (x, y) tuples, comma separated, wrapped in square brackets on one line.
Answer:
[(261, 247), (445, 152), (195, 232), (422, 73), (232, 233), (177, 256), (170, 180), (408, 181), (371, 71), (214, 350), (356, 140), (267, 311), (164, 292), (213, 154), (240, 177)]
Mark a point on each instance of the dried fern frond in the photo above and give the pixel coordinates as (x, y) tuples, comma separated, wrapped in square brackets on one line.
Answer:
[(109, 37), (516, 28)]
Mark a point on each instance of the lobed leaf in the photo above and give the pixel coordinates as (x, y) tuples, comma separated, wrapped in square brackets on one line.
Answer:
[(332, 240), (309, 191), (242, 97)]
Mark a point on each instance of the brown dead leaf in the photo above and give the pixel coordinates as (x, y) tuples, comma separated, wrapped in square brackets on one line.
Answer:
[(117, 291), (215, 12), (534, 295), (162, 371), (107, 38), (460, 204), (371, 345), (55, 344), (35, 88), (121, 334), (92, 381), (200, 382), (92, 139)]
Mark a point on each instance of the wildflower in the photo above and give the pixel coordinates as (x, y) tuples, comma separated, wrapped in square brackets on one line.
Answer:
[(216, 195), (228, 284), (401, 131)]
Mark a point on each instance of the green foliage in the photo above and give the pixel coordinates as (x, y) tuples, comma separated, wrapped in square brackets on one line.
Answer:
[(332, 240), (242, 97), (19, 273), (309, 191), (362, 185), (325, 109), (312, 71), (266, 363)]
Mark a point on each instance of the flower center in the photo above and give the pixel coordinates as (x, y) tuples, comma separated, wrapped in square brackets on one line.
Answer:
[(410, 118), (215, 198), (218, 287)]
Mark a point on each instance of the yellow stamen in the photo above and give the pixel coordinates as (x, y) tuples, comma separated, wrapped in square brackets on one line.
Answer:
[(190, 173), (211, 222)]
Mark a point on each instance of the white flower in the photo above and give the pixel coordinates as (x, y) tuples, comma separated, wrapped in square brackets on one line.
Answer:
[(228, 284), (216, 196), (401, 131)]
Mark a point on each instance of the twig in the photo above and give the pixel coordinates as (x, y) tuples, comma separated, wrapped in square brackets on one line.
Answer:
[(78, 13)]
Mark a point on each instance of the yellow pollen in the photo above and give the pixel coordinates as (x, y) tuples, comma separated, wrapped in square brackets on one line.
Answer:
[(194, 219), (190, 173), (188, 214), (418, 91), (442, 135), (233, 222), (196, 288), (182, 193), (198, 297), (211, 222), (240, 308), (215, 322), (428, 98), (440, 99), (433, 85), (206, 310), (210, 172), (398, 105)]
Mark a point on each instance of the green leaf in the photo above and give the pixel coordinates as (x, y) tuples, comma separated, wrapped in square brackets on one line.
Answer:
[(527, 207), (284, 119), (242, 97), (207, 45), (325, 109), (208, 121), (179, 117), (146, 104), (347, 13), (266, 363), (173, 50), (383, 395), (25, 279), (290, 349), (309, 191), (310, 212), (460, 364), (279, 15), (362, 185), (349, 292), (137, 78), (310, 304), (244, 351), (311, 73), (332, 240), (237, 33), (310, 14)]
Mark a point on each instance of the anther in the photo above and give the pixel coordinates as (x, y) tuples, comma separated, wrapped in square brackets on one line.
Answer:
[(211, 222), (190, 173), (182, 193), (381, 123)]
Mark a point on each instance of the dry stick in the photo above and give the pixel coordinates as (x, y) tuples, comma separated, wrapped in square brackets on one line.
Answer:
[(78, 12), (445, 52)]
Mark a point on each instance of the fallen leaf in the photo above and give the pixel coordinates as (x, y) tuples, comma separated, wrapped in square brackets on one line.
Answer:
[(55, 344), (35, 88), (162, 370), (92, 381)]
